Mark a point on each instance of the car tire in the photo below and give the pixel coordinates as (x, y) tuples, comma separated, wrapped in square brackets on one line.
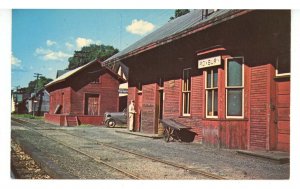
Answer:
[(111, 123)]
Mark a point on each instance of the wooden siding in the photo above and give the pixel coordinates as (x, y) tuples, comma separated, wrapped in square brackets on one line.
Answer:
[(283, 114), (106, 89), (56, 98), (149, 108), (75, 89), (258, 106), (172, 106), (257, 44)]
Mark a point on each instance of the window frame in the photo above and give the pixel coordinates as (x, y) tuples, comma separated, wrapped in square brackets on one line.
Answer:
[(212, 88), (242, 87), (188, 92)]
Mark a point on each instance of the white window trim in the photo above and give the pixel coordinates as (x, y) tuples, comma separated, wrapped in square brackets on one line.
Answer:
[(280, 74), (237, 87), (206, 95), (182, 83)]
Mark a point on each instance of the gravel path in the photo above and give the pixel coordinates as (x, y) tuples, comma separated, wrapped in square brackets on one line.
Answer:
[(222, 162)]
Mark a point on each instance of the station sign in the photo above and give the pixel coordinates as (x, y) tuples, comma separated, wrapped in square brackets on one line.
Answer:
[(123, 91), (209, 62)]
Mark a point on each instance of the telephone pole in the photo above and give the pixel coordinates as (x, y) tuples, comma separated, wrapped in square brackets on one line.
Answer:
[(37, 75)]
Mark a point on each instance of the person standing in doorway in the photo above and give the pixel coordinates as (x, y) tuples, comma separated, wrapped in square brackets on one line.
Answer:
[(131, 115)]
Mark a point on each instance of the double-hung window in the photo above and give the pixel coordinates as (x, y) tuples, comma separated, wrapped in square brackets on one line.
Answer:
[(186, 92), (211, 89), (235, 87)]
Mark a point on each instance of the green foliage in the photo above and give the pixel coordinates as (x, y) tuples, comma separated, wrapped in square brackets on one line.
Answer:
[(39, 85), (89, 53), (27, 116), (180, 12)]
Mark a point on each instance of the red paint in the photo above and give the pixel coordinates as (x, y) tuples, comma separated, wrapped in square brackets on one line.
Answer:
[(266, 100), (72, 93), (282, 114)]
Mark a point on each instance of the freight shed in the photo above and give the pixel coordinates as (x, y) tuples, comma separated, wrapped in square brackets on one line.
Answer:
[(83, 95), (225, 73)]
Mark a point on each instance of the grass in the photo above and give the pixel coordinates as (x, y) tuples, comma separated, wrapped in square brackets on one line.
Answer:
[(29, 116)]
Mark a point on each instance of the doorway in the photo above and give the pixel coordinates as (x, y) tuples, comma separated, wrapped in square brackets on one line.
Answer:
[(282, 114), (160, 111), (91, 104)]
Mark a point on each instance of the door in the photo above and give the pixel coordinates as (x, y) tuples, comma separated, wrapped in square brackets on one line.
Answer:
[(160, 111), (92, 104), (139, 112), (282, 114)]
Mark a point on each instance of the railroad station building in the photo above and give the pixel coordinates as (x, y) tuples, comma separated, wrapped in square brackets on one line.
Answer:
[(83, 95), (225, 73)]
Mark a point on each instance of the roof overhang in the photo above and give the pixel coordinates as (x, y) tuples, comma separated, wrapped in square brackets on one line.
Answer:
[(67, 75), (202, 26)]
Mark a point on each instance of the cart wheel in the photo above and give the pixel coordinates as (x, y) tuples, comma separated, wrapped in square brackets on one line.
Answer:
[(166, 135), (111, 123)]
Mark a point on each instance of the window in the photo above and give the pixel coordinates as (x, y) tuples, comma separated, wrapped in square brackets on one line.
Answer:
[(235, 88), (186, 92), (211, 89), (283, 65)]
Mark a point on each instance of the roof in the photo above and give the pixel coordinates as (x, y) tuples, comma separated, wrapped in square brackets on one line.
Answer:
[(42, 90), (70, 73), (175, 29), (61, 72)]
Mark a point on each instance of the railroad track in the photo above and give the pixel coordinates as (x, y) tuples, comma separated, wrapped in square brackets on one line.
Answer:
[(191, 170), (23, 166), (79, 151)]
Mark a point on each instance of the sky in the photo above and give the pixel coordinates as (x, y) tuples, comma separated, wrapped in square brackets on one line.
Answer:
[(43, 40)]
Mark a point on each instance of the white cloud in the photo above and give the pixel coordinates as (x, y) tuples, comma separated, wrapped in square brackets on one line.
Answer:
[(15, 61), (69, 45), (140, 27), (81, 42), (47, 54), (50, 43)]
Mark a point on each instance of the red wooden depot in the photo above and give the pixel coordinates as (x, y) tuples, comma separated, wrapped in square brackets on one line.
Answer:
[(225, 73), (83, 95)]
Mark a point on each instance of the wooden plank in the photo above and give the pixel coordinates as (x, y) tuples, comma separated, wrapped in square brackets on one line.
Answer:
[(283, 126), (283, 87), (283, 138), (283, 114), (283, 101)]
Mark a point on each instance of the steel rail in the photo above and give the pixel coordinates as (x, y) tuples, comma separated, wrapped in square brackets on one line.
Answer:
[(194, 170), (81, 152)]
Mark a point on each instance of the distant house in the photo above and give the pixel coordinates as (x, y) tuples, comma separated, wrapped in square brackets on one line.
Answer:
[(38, 102), (83, 95), (224, 73), (18, 102), (13, 103)]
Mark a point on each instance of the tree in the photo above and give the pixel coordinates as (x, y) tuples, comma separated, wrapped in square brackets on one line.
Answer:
[(89, 53), (38, 85), (179, 12)]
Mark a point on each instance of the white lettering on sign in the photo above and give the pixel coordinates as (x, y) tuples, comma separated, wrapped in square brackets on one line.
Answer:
[(209, 62)]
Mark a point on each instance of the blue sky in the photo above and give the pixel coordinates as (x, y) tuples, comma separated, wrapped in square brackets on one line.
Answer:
[(43, 40)]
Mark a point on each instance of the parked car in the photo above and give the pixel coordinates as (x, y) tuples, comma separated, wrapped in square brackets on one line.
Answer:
[(113, 118)]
